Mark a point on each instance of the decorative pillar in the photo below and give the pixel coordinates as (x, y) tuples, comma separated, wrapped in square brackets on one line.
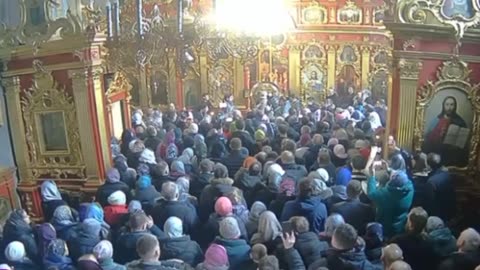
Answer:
[(238, 83), (408, 70), (97, 74), (172, 77), (80, 88), (365, 66), (294, 58), (331, 62), (203, 72), (143, 88)]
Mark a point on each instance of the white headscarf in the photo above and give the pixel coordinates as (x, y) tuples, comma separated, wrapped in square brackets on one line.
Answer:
[(173, 227), (148, 157), (49, 191), (103, 250), (117, 198), (269, 228), (15, 251)]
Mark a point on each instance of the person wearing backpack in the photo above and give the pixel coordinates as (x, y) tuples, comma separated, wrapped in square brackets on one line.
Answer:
[(292, 169)]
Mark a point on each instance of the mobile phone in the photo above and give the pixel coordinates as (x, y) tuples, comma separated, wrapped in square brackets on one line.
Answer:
[(287, 227)]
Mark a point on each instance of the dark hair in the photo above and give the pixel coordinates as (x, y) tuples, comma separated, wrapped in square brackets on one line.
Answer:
[(259, 251), (443, 105), (306, 188), (289, 145), (417, 218), (240, 124), (358, 162), (324, 157), (255, 169), (282, 129), (220, 171), (354, 189), (270, 262)]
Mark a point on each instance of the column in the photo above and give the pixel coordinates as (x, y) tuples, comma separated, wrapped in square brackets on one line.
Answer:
[(143, 88), (331, 62), (365, 66), (97, 74), (238, 83), (409, 70), (203, 72), (172, 77), (12, 92), (294, 70), (80, 93)]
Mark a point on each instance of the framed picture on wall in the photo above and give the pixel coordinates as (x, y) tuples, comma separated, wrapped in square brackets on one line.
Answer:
[(52, 133)]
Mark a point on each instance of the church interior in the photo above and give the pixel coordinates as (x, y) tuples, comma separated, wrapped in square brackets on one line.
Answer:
[(73, 72)]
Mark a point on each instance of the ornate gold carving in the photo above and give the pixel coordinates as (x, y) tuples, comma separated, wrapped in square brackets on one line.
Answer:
[(452, 75), (120, 84), (46, 96), (379, 14), (37, 26), (314, 63), (349, 14), (220, 79), (409, 69), (436, 12), (352, 57)]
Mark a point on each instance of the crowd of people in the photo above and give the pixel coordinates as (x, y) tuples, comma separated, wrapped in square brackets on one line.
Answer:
[(284, 186)]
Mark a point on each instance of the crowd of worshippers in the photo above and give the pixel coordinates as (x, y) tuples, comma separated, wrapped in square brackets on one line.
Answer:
[(307, 189)]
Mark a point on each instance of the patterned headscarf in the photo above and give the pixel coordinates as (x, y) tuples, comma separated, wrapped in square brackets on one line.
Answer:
[(63, 215), (46, 233), (57, 247), (103, 250)]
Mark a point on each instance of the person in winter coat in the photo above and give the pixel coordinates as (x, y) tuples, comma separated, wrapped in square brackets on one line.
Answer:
[(179, 246), (170, 206), (187, 159), (392, 201), (255, 211), (440, 238), (306, 205), (249, 180), (139, 225), (237, 249), (374, 242), (148, 249), (346, 253), (51, 198), (295, 171), (467, 255), (269, 232), (127, 175), (63, 222), (45, 233), (216, 258), (116, 209), (331, 224), (202, 178), (93, 210), (234, 160), (17, 228), (103, 252), (307, 243), (146, 192), (16, 256), (57, 256), (112, 184), (88, 235)]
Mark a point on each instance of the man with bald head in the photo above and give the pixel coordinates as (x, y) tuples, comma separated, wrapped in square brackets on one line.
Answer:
[(391, 254), (399, 265), (467, 256)]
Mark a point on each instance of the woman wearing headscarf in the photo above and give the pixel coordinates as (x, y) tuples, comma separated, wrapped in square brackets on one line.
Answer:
[(177, 169), (269, 232), (286, 193), (145, 192), (148, 158), (127, 137), (186, 158), (17, 228), (94, 211), (51, 198), (88, 235), (250, 181), (167, 150), (56, 256), (103, 252), (112, 184), (183, 184), (127, 175), (374, 242), (440, 238), (116, 209), (17, 257), (63, 222), (255, 211), (200, 147), (216, 258), (45, 235), (88, 262), (136, 148), (179, 246)]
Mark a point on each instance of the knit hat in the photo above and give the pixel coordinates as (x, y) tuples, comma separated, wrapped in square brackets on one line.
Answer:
[(339, 151), (15, 251), (434, 223), (229, 228), (144, 181), (373, 235), (223, 206), (332, 142), (117, 198), (259, 135), (248, 162), (215, 256), (113, 175), (91, 226), (134, 206), (103, 250)]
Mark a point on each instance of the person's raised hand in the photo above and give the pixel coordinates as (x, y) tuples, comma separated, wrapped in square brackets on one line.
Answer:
[(150, 222), (288, 239)]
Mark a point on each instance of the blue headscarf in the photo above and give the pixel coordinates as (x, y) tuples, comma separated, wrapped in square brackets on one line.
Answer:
[(95, 211), (144, 182)]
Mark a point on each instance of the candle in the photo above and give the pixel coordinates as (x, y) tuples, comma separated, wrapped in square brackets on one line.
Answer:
[(180, 17), (115, 18), (109, 20), (140, 17)]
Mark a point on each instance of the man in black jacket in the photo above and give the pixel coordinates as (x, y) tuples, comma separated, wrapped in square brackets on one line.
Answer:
[(308, 244), (234, 160), (352, 210), (170, 206), (245, 137), (112, 184), (140, 225), (440, 199)]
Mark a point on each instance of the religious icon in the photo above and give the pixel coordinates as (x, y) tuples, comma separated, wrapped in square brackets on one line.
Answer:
[(448, 121), (453, 8), (379, 85), (220, 81), (378, 16), (313, 78), (348, 54), (346, 84), (36, 12), (280, 68), (313, 52), (52, 131), (265, 66), (192, 91), (381, 58), (159, 88), (314, 15)]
